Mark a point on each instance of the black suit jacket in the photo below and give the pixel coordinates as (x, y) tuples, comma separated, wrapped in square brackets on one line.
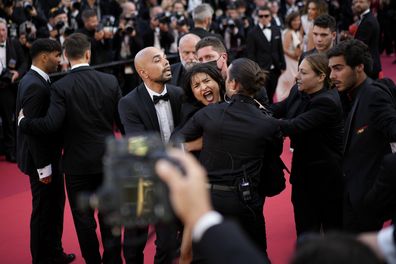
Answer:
[(84, 106), (35, 152), (315, 127), (382, 196), (137, 110), (266, 53), (369, 32), (178, 73), (225, 243), (366, 139)]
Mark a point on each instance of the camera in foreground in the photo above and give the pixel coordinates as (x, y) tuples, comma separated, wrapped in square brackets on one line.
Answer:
[(132, 194)]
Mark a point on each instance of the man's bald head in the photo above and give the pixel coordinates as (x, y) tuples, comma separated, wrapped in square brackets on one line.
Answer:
[(187, 53), (152, 65)]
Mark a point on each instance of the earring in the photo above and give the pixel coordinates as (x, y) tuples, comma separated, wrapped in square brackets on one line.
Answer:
[(226, 99)]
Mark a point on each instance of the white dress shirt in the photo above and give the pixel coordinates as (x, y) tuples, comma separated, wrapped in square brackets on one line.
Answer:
[(3, 57), (164, 114), (267, 32)]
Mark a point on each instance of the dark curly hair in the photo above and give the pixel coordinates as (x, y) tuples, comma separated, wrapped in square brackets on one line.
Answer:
[(355, 52)]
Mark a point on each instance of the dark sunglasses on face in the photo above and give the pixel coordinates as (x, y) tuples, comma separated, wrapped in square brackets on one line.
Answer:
[(266, 16)]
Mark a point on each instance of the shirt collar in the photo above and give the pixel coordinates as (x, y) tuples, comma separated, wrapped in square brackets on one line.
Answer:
[(264, 27), (79, 65), (152, 93), (365, 13), (40, 72)]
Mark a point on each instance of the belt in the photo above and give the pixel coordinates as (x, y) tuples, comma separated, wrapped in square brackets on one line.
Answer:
[(217, 187)]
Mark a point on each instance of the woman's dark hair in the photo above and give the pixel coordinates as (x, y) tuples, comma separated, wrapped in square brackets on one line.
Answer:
[(290, 18), (320, 65), (355, 52), (208, 69), (248, 74)]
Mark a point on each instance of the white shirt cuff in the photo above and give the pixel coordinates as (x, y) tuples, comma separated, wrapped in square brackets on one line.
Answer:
[(19, 119), (204, 223), (45, 172), (387, 245)]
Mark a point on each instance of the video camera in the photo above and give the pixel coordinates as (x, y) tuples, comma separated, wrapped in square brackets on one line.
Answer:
[(132, 194)]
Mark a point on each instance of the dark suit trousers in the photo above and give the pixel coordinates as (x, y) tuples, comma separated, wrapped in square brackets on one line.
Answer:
[(7, 114), (272, 82), (85, 222), (167, 244), (313, 211), (46, 221), (359, 219)]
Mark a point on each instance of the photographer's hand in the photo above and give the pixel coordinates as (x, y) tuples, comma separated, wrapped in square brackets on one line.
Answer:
[(189, 194), (99, 35)]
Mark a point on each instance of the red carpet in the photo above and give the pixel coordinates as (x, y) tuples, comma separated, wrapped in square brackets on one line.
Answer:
[(15, 207)]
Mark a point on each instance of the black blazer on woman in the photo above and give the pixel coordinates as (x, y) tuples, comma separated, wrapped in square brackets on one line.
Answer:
[(236, 137), (315, 126)]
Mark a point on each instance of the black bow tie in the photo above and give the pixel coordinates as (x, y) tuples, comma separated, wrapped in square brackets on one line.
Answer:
[(156, 98), (267, 27), (2, 45)]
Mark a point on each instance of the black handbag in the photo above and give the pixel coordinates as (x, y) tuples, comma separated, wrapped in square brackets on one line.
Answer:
[(273, 180)]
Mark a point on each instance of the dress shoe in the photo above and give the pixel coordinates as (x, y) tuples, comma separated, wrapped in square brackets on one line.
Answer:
[(11, 158), (64, 258)]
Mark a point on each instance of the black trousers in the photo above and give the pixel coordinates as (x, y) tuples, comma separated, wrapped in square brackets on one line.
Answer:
[(46, 221), (315, 211), (248, 215), (7, 114), (168, 240), (358, 219), (272, 82), (85, 222)]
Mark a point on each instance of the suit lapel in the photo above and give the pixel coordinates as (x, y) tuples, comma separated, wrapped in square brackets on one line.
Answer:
[(148, 106), (351, 115), (45, 83)]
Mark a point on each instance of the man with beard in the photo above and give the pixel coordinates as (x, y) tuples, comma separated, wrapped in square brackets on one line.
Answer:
[(39, 156), (188, 57), (153, 106), (368, 132), (83, 107)]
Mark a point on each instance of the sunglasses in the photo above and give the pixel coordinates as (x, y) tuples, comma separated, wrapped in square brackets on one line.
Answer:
[(266, 16)]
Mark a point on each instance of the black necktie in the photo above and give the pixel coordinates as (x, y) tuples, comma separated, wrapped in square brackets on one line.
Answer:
[(156, 98)]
